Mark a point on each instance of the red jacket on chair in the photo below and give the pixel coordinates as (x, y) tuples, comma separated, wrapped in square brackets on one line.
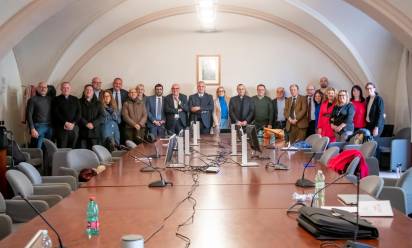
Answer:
[(339, 163)]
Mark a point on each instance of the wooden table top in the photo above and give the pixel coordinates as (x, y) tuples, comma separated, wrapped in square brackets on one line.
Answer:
[(238, 207)]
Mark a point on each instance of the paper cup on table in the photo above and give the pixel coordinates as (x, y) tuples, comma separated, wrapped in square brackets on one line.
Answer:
[(132, 241)]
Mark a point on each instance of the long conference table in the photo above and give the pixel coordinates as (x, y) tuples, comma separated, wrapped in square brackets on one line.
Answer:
[(237, 207)]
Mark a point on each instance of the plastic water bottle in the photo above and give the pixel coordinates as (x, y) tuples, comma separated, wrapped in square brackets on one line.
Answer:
[(46, 240), (92, 218), (320, 184), (260, 136)]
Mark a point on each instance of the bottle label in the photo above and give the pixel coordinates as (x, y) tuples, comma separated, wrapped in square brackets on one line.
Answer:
[(93, 225)]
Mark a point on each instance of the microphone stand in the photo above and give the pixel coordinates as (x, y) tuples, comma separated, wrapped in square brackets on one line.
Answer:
[(303, 182), (159, 183), (148, 166), (353, 243), (278, 165), (44, 219), (157, 155)]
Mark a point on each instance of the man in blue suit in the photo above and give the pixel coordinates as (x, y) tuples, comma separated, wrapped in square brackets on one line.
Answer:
[(155, 112), (201, 108)]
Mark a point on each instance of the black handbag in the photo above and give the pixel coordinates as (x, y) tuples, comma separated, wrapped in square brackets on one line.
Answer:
[(334, 224)]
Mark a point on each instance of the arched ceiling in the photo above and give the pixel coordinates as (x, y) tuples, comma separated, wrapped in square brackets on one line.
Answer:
[(61, 32)]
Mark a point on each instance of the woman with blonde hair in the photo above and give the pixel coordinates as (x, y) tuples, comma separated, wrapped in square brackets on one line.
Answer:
[(112, 118), (324, 128), (221, 110), (342, 117)]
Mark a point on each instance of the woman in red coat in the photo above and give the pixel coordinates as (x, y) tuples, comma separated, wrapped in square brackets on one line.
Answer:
[(359, 103), (324, 128)]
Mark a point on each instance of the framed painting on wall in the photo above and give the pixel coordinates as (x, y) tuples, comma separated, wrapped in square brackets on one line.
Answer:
[(208, 69)]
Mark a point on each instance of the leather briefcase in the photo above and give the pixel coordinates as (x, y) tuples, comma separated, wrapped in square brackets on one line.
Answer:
[(334, 224)]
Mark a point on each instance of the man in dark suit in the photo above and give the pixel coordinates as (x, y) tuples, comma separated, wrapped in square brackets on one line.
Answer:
[(310, 93), (66, 115), (155, 112), (201, 108), (120, 96), (241, 107), (176, 109), (296, 115)]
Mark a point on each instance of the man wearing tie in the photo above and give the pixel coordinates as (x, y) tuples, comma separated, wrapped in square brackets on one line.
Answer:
[(97, 86), (120, 96), (310, 91), (241, 107), (296, 115), (176, 109), (201, 108), (155, 114)]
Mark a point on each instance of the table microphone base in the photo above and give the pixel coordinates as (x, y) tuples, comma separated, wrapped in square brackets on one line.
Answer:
[(147, 169), (160, 184), (354, 244), (304, 183), (279, 166)]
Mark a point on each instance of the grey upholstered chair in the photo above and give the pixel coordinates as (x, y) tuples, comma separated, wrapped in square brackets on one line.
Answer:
[(49, 150), (350, 170), (19, 210), (105, 157), (311, 139), (399, 192), (78, 159), (398, 147), (22, 185), (130, 144), (320, 145), (5, 225), (37, 180), (372, 185), (373, 166), (328, 154), (368, 149)]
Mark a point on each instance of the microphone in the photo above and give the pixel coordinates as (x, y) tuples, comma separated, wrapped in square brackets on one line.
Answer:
[(303, 182), (148, 168), (327, 185), (160, 183), (44, 219), (278, 165), (157, 155)]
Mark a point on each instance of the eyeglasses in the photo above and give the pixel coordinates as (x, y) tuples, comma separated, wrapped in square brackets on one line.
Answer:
[(369, 88), (342, 95)]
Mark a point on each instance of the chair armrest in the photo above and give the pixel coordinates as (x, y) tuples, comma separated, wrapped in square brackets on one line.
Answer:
[(396, 196), (352, 178), (384, 141), (6, 224), (351, 147), (20, 211), (64, 171), (60, 189), (34, 152), (71, 180), (339, 144), (50, 199), (117, 154), (26, 156), (390, 181)]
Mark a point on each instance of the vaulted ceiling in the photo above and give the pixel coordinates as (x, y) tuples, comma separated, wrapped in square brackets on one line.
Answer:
[(53, 39)]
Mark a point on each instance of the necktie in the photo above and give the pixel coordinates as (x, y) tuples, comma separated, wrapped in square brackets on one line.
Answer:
[(158, 109), (292, 108), (310, 108), (118, 101), (241, 118)]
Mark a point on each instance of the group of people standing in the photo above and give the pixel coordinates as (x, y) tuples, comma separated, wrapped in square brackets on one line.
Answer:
[(115, 115)]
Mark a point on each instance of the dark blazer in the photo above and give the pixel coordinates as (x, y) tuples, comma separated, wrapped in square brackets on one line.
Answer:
[(170, 110), (206, 108), (300, 111), (123, 94), (90, 112), (376, 112), (151, 110), (248, 109), (65, 110)]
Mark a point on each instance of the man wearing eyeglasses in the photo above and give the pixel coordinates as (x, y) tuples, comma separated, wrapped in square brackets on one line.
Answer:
[(176, 109), (38, 116)]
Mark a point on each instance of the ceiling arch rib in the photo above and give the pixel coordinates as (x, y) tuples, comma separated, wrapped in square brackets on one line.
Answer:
[(26, 20), (389, 16), (346, 67)]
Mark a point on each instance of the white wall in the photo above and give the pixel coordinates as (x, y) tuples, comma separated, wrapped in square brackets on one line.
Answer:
[(10, 95), (252, 52)]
